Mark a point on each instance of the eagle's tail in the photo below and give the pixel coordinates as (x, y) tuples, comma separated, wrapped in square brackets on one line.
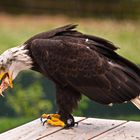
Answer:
[(136, 102)]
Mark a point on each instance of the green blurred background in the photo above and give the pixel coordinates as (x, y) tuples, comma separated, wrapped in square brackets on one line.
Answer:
[(33, 94)]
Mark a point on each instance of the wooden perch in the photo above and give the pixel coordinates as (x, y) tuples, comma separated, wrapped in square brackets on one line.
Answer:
[(88, 129)]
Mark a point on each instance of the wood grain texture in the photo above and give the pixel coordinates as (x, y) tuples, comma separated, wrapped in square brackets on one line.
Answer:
[(31, 131), (128, 131), (86, 129)]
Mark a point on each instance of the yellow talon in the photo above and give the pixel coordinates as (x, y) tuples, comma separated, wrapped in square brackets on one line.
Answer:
[(55, 115), (56, 123), (44, 116), (50, 115), (53, 119)]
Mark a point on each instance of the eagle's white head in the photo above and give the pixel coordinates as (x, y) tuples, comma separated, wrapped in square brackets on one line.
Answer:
[(12, 61)]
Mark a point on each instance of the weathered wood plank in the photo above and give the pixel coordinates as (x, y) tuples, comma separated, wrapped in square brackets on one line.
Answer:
[(127, 131), (31, 131), (86, 129)]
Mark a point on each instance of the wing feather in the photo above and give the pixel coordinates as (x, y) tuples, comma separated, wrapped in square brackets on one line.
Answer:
[(91, 67)]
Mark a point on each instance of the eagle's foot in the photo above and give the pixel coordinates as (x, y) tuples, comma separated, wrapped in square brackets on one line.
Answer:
[(52, 119), (58, 120)]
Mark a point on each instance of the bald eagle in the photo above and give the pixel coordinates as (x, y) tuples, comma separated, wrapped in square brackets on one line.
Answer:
[(78, 64)]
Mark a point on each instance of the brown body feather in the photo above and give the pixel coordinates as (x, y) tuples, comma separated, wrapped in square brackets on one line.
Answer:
[(83, 64)]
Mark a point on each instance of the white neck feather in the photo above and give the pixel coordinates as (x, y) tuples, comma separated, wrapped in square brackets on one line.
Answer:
[(20, 60)]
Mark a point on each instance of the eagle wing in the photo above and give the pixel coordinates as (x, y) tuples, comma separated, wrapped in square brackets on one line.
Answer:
[(87, 64)]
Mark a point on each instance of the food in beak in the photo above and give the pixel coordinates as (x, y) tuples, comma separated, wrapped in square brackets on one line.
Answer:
[(6, 82)]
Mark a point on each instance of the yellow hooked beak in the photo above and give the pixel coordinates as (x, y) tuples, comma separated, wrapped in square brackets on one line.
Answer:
[(7, 77), (6, 80)]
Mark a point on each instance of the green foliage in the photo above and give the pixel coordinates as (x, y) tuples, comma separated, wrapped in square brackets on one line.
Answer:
[(8, 123), (83, 105), (29, 101)]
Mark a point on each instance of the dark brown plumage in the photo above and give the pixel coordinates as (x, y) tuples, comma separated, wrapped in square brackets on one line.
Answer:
[(83, 64)]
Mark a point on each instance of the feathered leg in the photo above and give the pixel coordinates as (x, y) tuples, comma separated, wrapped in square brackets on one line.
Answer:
[(67, 99)]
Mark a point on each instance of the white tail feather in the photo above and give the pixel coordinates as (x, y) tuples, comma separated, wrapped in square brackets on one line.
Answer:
[(136, 102)]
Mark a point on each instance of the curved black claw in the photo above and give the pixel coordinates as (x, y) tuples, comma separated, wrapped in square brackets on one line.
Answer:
[(44, 122), (41, 118), (76, 123), (67, 126)]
